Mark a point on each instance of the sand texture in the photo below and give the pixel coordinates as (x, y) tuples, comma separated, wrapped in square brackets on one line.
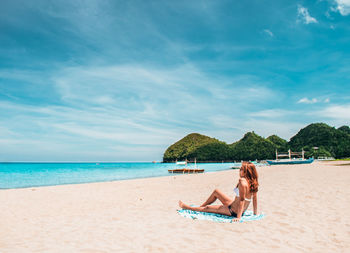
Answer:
[(307, 209)]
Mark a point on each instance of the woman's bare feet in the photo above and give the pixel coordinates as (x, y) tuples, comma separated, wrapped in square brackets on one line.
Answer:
[(180, 203), (183, 205)]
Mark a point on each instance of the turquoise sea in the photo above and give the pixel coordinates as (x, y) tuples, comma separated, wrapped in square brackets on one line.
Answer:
[(21, 175)]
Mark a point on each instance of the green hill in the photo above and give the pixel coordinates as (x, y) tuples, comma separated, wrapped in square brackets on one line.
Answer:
[(187, 148), (253, 146), (329, 140)]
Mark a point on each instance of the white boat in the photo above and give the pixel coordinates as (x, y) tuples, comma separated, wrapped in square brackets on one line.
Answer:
[(181, 163)]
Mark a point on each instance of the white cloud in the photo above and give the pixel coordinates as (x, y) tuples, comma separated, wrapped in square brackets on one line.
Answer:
[(272, 113), (173, 93), (307, 101), (338, 115), (113, 107), (268, 32), (304, 16), (56, 133), (343, 6)]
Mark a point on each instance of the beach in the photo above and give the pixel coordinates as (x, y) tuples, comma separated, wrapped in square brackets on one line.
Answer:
[(306, 207)]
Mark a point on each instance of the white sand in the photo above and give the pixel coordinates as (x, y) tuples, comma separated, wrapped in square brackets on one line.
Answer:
[(307, 209)]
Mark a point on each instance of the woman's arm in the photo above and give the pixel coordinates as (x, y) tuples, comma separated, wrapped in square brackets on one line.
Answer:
[(255, 203)]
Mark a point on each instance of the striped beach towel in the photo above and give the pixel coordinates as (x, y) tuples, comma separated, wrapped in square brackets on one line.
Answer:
[(247, 216)]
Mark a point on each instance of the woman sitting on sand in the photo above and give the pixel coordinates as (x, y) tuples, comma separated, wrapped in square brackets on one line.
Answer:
[(245, 191)]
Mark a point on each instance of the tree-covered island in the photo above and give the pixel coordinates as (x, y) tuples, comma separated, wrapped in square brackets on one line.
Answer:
[(317, 139)]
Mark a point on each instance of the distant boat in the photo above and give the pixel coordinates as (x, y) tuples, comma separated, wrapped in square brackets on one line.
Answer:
[(322, 158), (287, 161), (186, 170)]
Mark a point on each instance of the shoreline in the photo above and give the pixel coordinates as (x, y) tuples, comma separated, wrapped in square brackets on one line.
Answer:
[(107, 216)]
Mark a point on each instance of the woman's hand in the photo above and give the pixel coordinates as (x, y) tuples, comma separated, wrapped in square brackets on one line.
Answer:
[(236, 220)]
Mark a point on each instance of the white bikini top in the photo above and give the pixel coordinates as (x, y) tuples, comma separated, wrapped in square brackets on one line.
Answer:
[(236, 191)]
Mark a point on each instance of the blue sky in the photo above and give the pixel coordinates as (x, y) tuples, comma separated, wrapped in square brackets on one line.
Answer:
[(122, 80)]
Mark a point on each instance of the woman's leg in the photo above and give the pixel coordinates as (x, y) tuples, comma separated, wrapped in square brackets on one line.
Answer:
[(221, 209), (217, 194)]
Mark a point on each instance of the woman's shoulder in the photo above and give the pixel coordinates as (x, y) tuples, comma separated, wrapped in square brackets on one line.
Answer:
[(242, 181)]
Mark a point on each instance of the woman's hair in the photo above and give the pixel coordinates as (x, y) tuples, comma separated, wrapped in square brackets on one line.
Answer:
[(250, 173)]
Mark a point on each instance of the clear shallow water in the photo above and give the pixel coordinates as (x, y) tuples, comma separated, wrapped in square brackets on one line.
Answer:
[(21, 175)]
